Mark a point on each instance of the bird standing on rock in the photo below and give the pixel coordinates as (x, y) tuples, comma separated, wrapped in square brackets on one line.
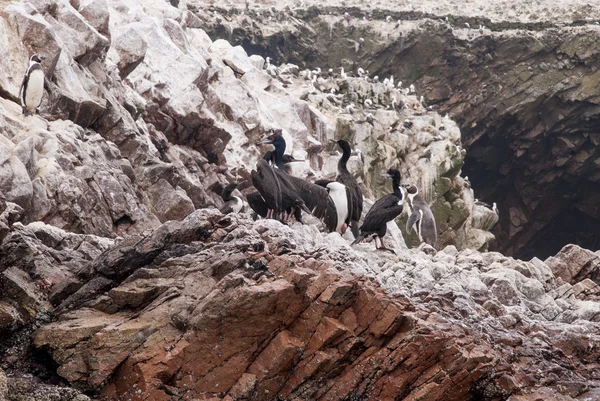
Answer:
[(32, 87), (421, 217), (233, 204), (353, 192), (385, 209)]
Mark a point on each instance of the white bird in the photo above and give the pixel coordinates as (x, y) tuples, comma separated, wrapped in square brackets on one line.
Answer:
[(388, 18), (368, 103), (361, 72), (467, 25), (349, 109), (343, 74), (411, 88), (347, 17)]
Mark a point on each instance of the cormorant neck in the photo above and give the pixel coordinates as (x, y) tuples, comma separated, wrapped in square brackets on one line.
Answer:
[(278, 153), (226, 195), (344, 159), (396, 188)]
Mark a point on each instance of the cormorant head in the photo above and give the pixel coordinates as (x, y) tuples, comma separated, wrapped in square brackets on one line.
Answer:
[(37, 58), (276, 140), (393, 173)]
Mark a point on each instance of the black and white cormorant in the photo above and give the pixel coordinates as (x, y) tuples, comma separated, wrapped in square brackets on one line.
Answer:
[(233, 204), (338, 194), (353, 192), (282, 191), (385, 209), (420, 216)]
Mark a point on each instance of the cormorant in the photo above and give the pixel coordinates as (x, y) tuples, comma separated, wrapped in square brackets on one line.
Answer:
[(233, 204), (385, 209), (339, 195), (353, 192), (281, 190)]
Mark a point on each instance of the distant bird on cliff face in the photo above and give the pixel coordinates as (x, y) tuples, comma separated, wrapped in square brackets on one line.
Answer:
[(420, 217), (32, 87), (384, 210)]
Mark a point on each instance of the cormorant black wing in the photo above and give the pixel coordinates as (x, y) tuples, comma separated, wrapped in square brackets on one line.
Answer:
[(257, 203), (317, 199), (267, 183), (354, 195), (385, 209)]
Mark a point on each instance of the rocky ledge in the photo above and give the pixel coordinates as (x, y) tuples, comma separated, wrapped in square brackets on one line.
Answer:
[(223, 307)]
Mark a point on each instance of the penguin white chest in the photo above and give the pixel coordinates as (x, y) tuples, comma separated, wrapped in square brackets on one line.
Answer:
[(34, 91)]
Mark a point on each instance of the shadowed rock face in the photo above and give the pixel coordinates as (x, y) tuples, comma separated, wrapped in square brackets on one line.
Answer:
[(523, 92)]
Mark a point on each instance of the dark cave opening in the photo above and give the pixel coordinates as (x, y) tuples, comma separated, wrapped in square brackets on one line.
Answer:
[(544, 204)]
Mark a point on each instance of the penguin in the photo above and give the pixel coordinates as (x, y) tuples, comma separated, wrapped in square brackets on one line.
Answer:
[(353, 192), (420, 217), (32, 87), (338, 194), (233, 204), (385, 209)]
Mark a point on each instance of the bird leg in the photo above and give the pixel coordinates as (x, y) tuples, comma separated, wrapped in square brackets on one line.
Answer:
[(382, 247)]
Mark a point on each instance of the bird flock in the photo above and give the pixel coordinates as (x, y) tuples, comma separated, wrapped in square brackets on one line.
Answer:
[(337, 203)]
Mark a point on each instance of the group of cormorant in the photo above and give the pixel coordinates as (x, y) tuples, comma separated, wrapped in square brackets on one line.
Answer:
[(339, 204)]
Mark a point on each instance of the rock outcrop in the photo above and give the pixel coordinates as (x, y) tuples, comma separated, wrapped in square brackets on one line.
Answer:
[(119, 279), (221, 306)]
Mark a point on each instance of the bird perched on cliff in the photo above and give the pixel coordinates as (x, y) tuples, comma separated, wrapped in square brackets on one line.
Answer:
[(353, 192), (32, 87), (384, 210), (282, 191), (233, 204), (420, 217), (339, 195), (484, 216)]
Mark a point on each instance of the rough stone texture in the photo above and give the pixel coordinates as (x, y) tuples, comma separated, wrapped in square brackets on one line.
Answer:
[(300, 321), (108, 269)]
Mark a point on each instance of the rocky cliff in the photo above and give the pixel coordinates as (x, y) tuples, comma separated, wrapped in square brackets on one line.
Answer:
[(521, 80), (120, 280)]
